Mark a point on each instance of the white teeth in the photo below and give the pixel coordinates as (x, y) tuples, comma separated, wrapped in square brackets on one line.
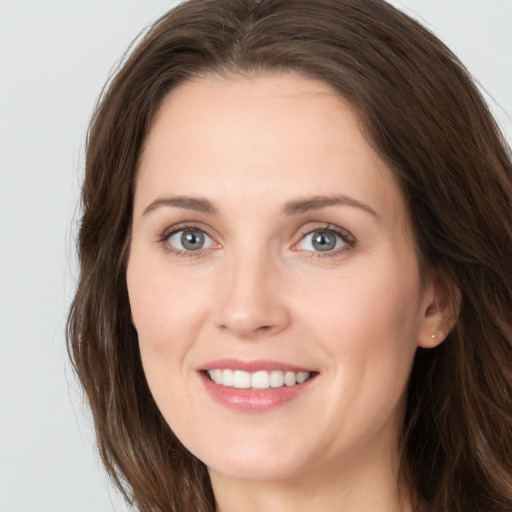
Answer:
[(302, 377), (241, 379), (290, 379), (258, 380), (227, 377), (217, 376), (276, 379)]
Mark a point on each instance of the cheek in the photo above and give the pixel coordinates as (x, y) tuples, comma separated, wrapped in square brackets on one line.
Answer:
[(369, 329), (164, 319), (162, 306), (368, 322)]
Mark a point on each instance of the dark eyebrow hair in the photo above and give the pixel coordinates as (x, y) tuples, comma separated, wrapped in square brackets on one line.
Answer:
[(317, 202), (186, 202), (295, 207)]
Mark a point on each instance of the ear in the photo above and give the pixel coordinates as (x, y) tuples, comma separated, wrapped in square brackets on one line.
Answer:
[(440, 310)]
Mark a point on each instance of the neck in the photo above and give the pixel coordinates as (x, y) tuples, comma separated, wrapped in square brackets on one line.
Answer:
[(354, 488)]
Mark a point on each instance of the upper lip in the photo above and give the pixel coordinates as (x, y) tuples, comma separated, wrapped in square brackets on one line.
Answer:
[(252, 366)]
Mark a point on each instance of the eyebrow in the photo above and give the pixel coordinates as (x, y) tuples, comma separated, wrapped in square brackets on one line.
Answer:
[(295, 207), (318, 202), (186, 202)]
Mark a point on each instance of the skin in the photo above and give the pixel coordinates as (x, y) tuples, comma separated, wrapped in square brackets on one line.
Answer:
[(259, 289)]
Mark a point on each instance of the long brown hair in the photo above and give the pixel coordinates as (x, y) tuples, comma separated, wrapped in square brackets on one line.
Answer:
[(421, 111)]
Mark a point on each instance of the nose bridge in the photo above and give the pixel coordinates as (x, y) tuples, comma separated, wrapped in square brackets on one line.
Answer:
[(252, 300)]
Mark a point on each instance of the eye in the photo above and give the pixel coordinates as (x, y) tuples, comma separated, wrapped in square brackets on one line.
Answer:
[(324, 240), (189, 240)]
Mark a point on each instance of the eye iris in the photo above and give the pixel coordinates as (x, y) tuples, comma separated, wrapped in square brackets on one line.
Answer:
[(192, 240), (324, 241)]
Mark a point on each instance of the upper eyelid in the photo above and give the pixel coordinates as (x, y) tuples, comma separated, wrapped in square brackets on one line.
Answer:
[(166, 234), (298, 235), (346, 236), (324, 226), (183, 226)]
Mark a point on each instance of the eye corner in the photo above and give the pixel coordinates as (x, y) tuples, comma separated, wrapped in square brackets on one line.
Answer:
[(330, 241), (187, 239)]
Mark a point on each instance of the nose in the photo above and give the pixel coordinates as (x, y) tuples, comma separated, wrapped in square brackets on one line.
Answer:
[(253, 299)]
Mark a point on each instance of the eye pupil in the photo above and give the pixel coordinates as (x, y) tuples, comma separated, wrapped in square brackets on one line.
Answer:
[(192, 240), (324, 241)]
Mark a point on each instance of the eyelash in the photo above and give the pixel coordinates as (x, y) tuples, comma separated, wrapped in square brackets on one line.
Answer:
[(347, 238), (164, 238)]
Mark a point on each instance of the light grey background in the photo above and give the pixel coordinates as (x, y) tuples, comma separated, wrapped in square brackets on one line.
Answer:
[(54, 58)]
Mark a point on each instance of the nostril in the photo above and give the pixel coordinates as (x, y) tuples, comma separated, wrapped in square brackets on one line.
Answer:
[(247, 316), (248, 331)]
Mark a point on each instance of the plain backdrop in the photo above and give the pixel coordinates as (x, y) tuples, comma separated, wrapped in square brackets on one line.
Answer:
[(54, 58)]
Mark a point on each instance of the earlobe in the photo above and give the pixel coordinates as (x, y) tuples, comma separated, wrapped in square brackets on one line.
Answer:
[(431, 341), (440, 313)]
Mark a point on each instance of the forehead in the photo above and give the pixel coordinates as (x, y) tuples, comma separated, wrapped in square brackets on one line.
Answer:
[(250, 111), (261, 138)]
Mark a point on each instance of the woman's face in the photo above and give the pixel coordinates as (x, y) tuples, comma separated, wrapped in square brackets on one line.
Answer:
[(271, 246)]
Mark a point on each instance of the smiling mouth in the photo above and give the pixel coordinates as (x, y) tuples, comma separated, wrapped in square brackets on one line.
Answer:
[(262, 379)]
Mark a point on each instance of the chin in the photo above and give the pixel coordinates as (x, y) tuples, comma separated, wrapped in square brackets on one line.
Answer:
[(257, 460)]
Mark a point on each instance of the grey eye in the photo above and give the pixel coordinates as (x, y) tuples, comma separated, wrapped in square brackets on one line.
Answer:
[(321, 241), (190, 240), (324, 241)]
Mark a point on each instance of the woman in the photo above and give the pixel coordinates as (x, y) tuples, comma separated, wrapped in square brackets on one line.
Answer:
[(296, 283)]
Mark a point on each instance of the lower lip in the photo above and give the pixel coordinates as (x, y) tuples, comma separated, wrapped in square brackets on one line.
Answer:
[(254, 400)]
